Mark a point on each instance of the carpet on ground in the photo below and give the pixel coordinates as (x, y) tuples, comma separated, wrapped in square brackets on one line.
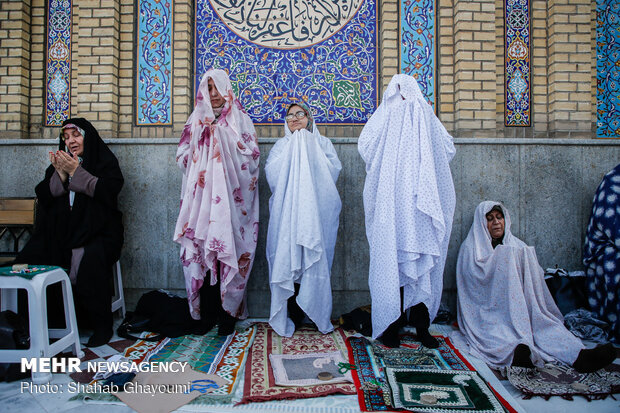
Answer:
[(434, 391), (372, 359), (555, 379), (260, 384), (137, 351), (209, 353)]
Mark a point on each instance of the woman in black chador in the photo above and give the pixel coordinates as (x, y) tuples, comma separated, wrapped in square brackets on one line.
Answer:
[(79, 226)]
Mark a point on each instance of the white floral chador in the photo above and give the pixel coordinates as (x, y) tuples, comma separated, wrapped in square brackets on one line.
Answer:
[(503, 300), (302, 169), (217, 225), (408, 200)]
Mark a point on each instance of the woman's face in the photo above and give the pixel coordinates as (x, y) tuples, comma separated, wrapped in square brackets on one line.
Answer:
[(74, 141), (495, 224), (217, 100), (296, 118)]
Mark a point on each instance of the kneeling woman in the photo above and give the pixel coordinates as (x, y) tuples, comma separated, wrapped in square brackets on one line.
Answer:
[(301, 170), (78, 223), (505, 311)]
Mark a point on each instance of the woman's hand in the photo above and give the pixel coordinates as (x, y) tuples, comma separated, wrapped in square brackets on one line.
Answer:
[(68, 163), (54, 161)]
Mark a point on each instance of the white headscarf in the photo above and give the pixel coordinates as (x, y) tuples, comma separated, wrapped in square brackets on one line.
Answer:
[(302, 169), (408, 200), (503, 300), (218, 218)]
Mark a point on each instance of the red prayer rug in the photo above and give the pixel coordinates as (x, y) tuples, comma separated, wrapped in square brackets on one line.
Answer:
[(260, 383), (372, 359)]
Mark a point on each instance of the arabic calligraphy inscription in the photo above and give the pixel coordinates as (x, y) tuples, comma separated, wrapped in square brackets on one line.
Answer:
[(283, 24)]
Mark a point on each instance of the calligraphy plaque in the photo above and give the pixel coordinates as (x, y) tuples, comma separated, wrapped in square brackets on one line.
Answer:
[(323, 53), (285, 24)]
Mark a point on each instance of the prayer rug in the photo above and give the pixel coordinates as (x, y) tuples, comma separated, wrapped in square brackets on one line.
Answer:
[(137, 351), (309, 369), (223, 356), (371, 359), (555, 379), (212, 354), (260, 382), (433, 391)]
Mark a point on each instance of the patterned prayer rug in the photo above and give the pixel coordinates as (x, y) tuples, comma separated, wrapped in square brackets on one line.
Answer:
[(259, 379), (555, 379), (137, 351), (434, 391), (371, 359), (224, 356)]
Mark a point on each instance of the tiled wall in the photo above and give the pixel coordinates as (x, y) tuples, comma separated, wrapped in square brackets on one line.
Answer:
[(470, 68)]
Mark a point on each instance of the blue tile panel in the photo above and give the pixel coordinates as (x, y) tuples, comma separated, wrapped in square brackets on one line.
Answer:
[(321, 52), (518, 64), (58, 62), (418, 44), (154, 63), (608, 68)]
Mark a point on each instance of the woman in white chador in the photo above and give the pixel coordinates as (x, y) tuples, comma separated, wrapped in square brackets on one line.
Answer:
[(409, 204), (505, 311), (302, 169)]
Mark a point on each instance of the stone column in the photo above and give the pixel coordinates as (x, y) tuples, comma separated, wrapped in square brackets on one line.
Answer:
[(98, 58), (570, 68), (182, 64), (388, 40), (15, 37), (474, 66)]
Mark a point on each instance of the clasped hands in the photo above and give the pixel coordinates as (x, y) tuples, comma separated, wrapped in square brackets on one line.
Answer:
[(64, 163)]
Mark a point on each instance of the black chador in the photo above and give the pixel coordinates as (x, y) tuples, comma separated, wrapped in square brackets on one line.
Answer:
[(91, 226)]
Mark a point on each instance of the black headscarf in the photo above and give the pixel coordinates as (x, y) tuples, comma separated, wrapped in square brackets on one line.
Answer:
[(61, 227)]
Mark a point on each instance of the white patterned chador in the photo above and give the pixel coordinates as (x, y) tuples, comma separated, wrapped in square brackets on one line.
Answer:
[(503, 300), (302, 169), (217, 225), (408, 200)]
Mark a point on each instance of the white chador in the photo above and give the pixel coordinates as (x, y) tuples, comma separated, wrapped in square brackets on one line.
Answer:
[(408, 200), (302, 169), (503, 300)]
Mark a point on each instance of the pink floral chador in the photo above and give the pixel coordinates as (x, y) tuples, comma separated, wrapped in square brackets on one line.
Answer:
[(218, 221)]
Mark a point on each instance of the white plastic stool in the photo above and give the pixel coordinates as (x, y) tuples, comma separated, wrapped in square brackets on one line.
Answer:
[(40, 334), (118, 300)]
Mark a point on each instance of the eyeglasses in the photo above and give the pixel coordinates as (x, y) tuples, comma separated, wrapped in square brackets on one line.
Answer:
[(299, 115)]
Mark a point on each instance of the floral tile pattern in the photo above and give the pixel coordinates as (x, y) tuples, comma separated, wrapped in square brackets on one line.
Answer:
[(58, 62), (517, 49), (154, 63), (323, 53)]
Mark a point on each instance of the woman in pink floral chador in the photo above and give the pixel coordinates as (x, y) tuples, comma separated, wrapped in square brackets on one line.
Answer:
[(217, 225)]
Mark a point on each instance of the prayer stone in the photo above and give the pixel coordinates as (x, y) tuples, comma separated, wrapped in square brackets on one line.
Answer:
[(428, 399), (324, 375)]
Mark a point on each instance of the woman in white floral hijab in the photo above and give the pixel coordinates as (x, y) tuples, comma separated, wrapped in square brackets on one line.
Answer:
[(217, 225)]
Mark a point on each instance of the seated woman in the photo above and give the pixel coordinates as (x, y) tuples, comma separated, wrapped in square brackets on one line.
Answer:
[(601, 254), (301, 170), (505, 311), (79, 226)]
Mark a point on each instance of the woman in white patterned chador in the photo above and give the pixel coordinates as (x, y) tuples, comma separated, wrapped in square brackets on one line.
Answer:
[(217, 225), (505, 311), (409, 204), (302, 169)]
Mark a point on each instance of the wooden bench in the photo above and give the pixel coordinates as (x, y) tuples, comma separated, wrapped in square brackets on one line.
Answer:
[(17, 217)]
